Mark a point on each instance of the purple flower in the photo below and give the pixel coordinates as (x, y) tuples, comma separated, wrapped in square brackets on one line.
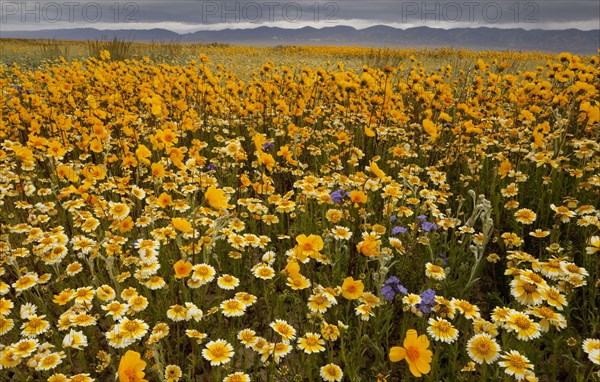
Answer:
[(388, 292), (429, 226), (401, 289), (427, 301), (422, 217), (424, 308), (398, 229), (337, 196), (392, 287), (428, 297), (393, 218), (267, 145), (443, 258), (392, 280), (211, 167)]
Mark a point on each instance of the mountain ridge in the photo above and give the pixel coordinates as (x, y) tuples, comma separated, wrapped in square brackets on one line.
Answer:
[(574, 40)]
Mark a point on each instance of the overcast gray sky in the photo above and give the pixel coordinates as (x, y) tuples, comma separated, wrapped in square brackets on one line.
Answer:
[(193, 15)]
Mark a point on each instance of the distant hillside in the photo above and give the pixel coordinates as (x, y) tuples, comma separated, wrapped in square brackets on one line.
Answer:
[(573, 40)]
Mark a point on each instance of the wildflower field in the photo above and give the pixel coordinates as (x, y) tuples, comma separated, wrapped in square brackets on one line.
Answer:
[(322, 215)]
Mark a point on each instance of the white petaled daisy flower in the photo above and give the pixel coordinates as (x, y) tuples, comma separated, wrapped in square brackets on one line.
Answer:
[(516, 364), (524, 327), (525, 216), (50, 361), (263, 271), (228, 282), (435, 272), (203, 273), (173, 373), (25, 347), (233, 308), (285, 330), (218, 352), (483, 348), (594, 245), (592, 347), (341, 233), (311, 343), (442, 330), (237, 377), (331, 373), (247, 337), (76, 340)]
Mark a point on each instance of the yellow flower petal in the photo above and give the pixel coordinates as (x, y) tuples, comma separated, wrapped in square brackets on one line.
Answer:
[(423, 364), (397, 354), (423, 341), (414, 369), (411, 339)]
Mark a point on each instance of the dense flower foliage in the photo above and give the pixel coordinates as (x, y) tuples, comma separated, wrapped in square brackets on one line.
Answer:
[(186, 222)]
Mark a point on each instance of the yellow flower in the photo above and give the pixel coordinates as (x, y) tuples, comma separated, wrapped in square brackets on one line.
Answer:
[(25, 282), (216, 198), (369, 246), (142, 154), (504, 168), (104, 293), (308, 246), (369, 132), (164, 200), (132, 328), (263, 271), (50, 361), (415, 352), (298, 283), (431, 129), (158, 170), (292, 269), (357, 196), (182, 224), (182, 269), (352, 289), (131, 368), (375, 170)]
